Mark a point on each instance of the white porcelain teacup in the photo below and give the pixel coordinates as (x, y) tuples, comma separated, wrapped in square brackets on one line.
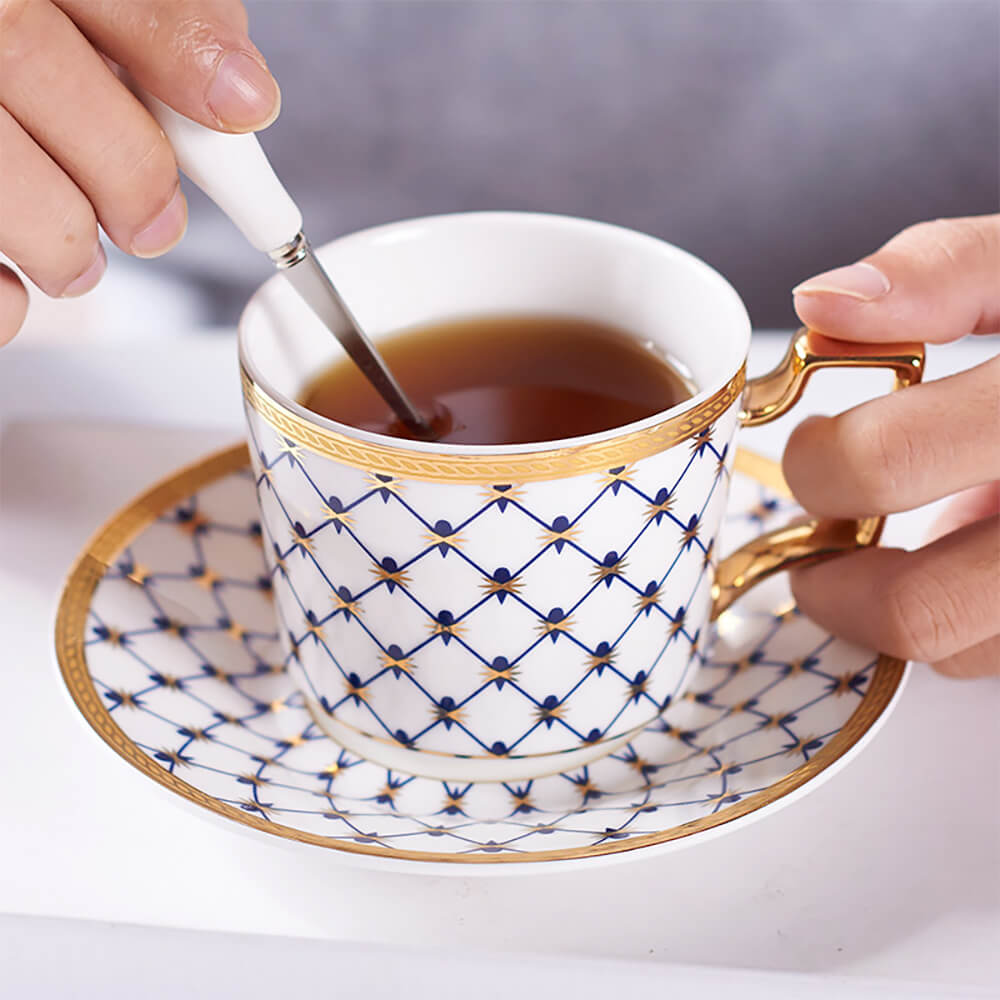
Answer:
[(498, 613)]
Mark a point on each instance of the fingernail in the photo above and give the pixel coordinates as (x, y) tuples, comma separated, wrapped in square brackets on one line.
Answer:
[(862, 281), (243, 94), (89, 278), (164, 231)]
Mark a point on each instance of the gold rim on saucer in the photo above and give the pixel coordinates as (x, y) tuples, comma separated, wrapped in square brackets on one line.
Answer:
[(108, 543)]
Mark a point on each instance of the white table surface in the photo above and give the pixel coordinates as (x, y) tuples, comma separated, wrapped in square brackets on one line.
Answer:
[(890, 871)]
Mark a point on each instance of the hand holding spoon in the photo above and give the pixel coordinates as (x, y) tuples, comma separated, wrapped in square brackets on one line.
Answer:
[(236, 174)]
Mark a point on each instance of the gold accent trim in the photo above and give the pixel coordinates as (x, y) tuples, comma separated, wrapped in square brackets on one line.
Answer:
[(108, 542), (770, 395), (476, 469), (767, 397)]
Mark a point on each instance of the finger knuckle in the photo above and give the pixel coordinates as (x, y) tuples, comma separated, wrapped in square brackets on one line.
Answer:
[(952, 241), (923, 620), (880, 456), (11, 12)]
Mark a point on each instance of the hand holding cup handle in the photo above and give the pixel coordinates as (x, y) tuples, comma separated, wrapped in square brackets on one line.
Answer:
[(769, 396)]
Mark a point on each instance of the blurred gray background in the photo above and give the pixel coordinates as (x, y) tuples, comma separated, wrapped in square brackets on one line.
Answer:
[(774, 138)]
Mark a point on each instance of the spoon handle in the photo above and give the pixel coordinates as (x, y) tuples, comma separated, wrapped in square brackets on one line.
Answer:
[(234, 172)]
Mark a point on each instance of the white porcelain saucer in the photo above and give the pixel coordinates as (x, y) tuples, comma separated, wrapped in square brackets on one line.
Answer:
[(166, 640)]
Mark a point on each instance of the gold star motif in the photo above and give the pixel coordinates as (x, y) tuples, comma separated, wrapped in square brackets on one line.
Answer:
[(624, 474), (356, 690), (295, 741), (193, 524), (522, 801), (303, 541), (511, 586), (114, 637), (207, 579), (601, 660), (587, 788), (569, 534), (278, 705), (773, 721), (760, 511), (397, 576), (637, 688), (708, 559), (508, 673), (688, 535), (542, 714), (639, 764), (799, 746), (452, 628), (174, 757), (126, 699), (644, 601), (267, 475), (330, 771), (654, 510), (341, 517), (403, 663), (233, 720), (220, 675), (140, 574), (340, 604), (169, 681), (237, 632), (291, 449), (701, 439), (720, 798), (676, 625), (253, 779), (601, 573), (845, 684), (316, 631), (453, 800), (454, 540), (198, 735), (552, 628), (250, 806), (795, 667), (455, 714), (387, 791), (394, 486), (173, 627), (266, 761), (511, 492)]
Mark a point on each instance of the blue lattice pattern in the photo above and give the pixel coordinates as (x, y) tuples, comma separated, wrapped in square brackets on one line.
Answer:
[(182, 646), (493, 619)]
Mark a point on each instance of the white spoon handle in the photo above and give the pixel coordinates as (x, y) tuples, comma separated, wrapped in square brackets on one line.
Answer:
[(234, 172)]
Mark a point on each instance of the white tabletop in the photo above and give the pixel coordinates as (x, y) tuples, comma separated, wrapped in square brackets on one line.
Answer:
[(890, 870)]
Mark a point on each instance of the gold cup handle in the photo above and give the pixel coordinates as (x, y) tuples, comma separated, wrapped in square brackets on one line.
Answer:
[(807, 540)]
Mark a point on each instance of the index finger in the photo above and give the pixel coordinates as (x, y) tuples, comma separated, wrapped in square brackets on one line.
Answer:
[(934, 282), (194, 55)]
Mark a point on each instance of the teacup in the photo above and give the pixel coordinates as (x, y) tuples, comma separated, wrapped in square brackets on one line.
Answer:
[(499, 613)]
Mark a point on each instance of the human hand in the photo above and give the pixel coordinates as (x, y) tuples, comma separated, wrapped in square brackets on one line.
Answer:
[(79, 148), (934, 282)]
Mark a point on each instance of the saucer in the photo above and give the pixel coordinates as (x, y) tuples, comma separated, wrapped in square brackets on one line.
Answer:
[(167, 642)]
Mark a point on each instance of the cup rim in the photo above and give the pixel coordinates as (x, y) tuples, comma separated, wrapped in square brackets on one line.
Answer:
[(651, 434)]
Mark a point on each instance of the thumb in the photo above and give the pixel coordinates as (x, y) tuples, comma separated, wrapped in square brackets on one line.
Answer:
[(935, 281)]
